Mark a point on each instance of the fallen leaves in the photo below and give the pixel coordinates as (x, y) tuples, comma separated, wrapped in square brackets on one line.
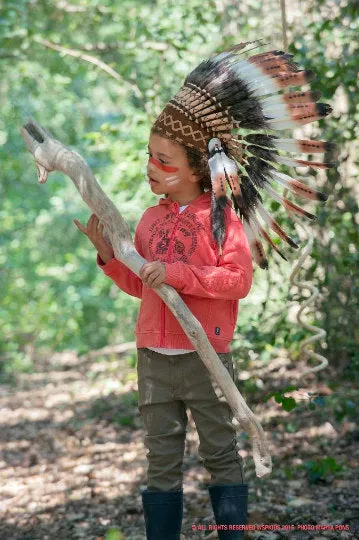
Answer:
[(71, 466)]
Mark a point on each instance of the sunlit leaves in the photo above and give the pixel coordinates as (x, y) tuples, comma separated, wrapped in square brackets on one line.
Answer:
[(50, 285)]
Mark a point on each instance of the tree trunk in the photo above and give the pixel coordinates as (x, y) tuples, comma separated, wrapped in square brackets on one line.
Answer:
[(51, 155)]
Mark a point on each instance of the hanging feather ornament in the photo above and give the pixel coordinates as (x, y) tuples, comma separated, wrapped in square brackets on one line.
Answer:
[(233, 106), (223, 170)]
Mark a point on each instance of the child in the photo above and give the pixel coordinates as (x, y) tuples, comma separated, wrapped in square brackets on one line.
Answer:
[(176, 237), (215, 130)]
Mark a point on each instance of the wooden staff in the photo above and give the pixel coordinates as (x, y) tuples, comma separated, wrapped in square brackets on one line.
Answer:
[(50, 155)]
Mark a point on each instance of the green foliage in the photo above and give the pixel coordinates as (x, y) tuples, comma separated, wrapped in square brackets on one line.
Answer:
[(288, 403), (291, 427), (340, 404), (119, 411), (330, 47), (123, 420), (324, 40), (16, 362), (346, 408), (114, 534), (52, 290), (132, 360), (289, 472), (52, 293), (319, 469), (100, 407)]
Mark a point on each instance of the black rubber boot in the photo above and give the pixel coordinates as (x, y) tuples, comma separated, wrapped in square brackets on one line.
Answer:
[(163, 514), (229, 503)]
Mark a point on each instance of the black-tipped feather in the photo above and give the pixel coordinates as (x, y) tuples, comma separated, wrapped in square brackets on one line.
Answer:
[(262, 153), (231, 92), (261, 139), (247, 202), (218, 218), (258, 171)]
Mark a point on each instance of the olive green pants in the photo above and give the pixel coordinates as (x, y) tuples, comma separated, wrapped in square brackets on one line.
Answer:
[(167, 386)]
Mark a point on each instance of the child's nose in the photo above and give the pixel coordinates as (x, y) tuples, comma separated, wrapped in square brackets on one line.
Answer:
[(150, 166)]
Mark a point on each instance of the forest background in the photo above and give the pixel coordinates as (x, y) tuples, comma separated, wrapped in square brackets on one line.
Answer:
[(96, 74)]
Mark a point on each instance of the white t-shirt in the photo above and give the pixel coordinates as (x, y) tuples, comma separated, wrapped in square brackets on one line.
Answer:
[(172, 351)]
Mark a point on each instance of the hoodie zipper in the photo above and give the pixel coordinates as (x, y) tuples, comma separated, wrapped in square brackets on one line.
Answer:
[(169, 259)]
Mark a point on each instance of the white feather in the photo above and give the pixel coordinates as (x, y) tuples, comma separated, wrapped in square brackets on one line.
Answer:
[(221, 56), (280, 107), (289, 145), (263, 213), (273, 100), (288, 161), (254, 224), (278, 115), (283, 124), (281, 178), (273, 193), (263, 90), (259, 83), (249, 233)]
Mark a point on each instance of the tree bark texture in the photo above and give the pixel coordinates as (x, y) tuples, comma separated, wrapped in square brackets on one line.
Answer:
[(50, 155)]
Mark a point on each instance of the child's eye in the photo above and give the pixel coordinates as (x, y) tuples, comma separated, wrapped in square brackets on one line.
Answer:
[(160, 160)]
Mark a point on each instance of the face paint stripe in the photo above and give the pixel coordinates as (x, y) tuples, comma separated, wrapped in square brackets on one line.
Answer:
[(171, 180), (161, 166)]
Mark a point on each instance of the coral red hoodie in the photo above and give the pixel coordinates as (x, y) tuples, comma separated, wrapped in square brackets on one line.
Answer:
[(210, 284)]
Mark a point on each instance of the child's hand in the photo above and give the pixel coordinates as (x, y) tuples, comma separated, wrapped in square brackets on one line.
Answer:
[(153, 273), (94, 233)]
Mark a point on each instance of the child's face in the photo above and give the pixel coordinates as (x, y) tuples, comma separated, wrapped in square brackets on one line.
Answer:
[(168, 169)]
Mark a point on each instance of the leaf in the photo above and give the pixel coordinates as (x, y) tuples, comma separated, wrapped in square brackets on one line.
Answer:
[(114, 534), (288, 404)]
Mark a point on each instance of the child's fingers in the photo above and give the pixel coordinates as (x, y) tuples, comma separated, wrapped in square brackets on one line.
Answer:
[(155, 278), (144, 271), (147, 275), (150, 272), (80, 226), (150, 281), (92, 225), (96, 227), (91, 218), (155, 282), (100, 233), (151, 278)]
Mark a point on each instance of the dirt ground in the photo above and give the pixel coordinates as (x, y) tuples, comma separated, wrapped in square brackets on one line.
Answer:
[(72, 460)]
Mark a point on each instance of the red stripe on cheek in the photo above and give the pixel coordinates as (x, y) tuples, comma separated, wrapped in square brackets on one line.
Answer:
[(161, 166)]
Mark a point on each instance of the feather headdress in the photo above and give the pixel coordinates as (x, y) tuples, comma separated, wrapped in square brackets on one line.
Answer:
[(230, 107)]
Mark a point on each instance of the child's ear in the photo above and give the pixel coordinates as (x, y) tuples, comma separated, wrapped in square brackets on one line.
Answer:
[(194, 177)]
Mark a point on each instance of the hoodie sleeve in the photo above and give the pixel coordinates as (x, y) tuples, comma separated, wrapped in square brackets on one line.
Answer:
[(230, 279), (121, 275)]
